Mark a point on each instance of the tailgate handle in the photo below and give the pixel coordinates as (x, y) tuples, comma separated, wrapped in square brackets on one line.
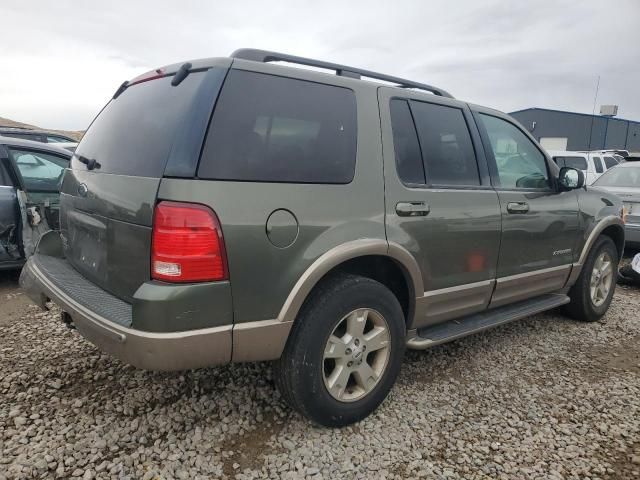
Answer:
[(412, 209), (517, 207)]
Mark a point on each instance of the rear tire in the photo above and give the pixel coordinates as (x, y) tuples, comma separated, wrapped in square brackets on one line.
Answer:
[(593, 291), (344, 352)]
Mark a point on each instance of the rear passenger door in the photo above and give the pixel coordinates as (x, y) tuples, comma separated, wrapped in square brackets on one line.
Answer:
[(539, 222), (439, 202)]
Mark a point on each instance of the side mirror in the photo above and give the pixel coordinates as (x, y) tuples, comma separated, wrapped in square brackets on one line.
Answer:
[(570, 178)]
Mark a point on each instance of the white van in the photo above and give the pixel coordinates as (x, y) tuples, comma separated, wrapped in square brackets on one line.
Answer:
[(593, 164)]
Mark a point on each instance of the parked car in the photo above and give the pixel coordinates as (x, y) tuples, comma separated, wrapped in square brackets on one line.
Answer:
[(611, 158), (30, 177), (624, 181), (232, 209), (35, 135), (593, 164)]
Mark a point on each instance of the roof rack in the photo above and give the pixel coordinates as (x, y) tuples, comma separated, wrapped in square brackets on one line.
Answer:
[(265, 56)]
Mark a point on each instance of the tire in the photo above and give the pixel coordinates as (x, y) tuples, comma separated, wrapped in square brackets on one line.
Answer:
[(304, 375), (582, 306)]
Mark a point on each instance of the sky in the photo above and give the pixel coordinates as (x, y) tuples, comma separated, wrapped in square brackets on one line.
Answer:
[(61, 61)]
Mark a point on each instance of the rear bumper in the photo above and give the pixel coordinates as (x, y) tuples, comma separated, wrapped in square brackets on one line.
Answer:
[(106, 322), (147, 350)]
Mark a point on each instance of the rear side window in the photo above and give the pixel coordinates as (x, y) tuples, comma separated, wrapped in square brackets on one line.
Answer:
[(274, 129), (598, 163), (445, 141), (405, 144), (579, 163), (133, 135), (610, 162)]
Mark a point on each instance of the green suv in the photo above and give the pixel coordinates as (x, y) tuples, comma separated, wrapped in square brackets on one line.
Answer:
[(236, 209)]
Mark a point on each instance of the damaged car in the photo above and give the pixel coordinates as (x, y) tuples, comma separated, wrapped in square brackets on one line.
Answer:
[(30, 177)]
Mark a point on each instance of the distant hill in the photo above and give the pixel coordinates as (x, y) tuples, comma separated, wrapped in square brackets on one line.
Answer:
[(5, 122)]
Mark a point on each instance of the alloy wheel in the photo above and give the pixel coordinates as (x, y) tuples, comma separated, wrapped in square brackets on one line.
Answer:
[(356, 355), (601, 279)]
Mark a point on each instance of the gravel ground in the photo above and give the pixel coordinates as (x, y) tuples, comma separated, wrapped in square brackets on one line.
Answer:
[(546, 397)]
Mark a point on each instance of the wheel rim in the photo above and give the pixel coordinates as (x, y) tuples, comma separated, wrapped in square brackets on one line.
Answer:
[(601, 279), (356, 355)]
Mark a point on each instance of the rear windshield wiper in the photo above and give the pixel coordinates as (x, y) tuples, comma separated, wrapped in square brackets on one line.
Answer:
[(89, 162), (181, 74)]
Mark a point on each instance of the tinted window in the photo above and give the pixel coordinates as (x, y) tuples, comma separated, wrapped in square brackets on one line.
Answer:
[(610, 162), (598, 163), (405, 144), (620, 177), (519, 163), (274, 129), (56, 139), (579, 163), (447, 151), (133, 134), (39, 171)]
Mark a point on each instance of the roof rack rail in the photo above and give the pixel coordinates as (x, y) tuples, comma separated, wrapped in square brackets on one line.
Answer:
[(265, 56)]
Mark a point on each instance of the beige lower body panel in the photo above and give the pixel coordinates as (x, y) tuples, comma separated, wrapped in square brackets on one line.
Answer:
[(260, 341), (253, 341), (448, 303), (528, 285)]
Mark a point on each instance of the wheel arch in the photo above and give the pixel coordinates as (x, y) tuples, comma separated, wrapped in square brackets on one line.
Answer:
[(611, 226), (386, 262)]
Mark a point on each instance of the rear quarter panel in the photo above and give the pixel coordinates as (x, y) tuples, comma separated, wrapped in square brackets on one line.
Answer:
[(598, 209), (261, 274)]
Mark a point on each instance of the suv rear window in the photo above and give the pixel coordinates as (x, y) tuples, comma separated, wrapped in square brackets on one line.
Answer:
[(610, 162), (134, 133), (274, 129)]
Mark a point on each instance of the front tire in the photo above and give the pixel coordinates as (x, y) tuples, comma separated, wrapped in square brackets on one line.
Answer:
[(593, 291), (344, 352)]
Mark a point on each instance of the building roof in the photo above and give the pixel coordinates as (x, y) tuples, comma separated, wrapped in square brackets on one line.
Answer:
[(574, 113)]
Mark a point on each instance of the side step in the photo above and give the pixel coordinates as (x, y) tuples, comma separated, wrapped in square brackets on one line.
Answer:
[(444, 332)]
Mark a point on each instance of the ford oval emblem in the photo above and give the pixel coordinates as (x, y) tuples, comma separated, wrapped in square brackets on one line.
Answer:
[(83, 190)]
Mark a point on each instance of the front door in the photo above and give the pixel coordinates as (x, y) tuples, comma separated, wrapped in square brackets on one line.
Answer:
[(39, 176), (440, 205), (9, 216), (539, 222)]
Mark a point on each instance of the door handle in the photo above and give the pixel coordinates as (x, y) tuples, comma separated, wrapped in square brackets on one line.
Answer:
[(517, 207), (412, 209)]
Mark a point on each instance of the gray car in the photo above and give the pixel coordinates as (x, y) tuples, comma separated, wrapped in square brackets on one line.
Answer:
[(624, 181), (234, 209), (30, 178)]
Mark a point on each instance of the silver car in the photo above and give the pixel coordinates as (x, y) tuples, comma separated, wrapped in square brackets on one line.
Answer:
[(624, 181)]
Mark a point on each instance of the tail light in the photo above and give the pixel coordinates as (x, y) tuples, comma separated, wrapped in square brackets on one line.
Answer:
[(187, 244)]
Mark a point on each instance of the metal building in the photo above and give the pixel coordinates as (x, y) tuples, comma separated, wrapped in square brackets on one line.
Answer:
[(558, 130)]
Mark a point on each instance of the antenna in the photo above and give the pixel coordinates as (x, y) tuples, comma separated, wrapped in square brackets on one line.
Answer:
[(593, 112)]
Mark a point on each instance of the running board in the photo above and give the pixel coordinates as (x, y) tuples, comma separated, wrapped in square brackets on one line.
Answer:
[(430, 336)]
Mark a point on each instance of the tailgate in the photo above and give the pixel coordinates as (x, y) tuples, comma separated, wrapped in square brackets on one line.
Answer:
[(105, 226)]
